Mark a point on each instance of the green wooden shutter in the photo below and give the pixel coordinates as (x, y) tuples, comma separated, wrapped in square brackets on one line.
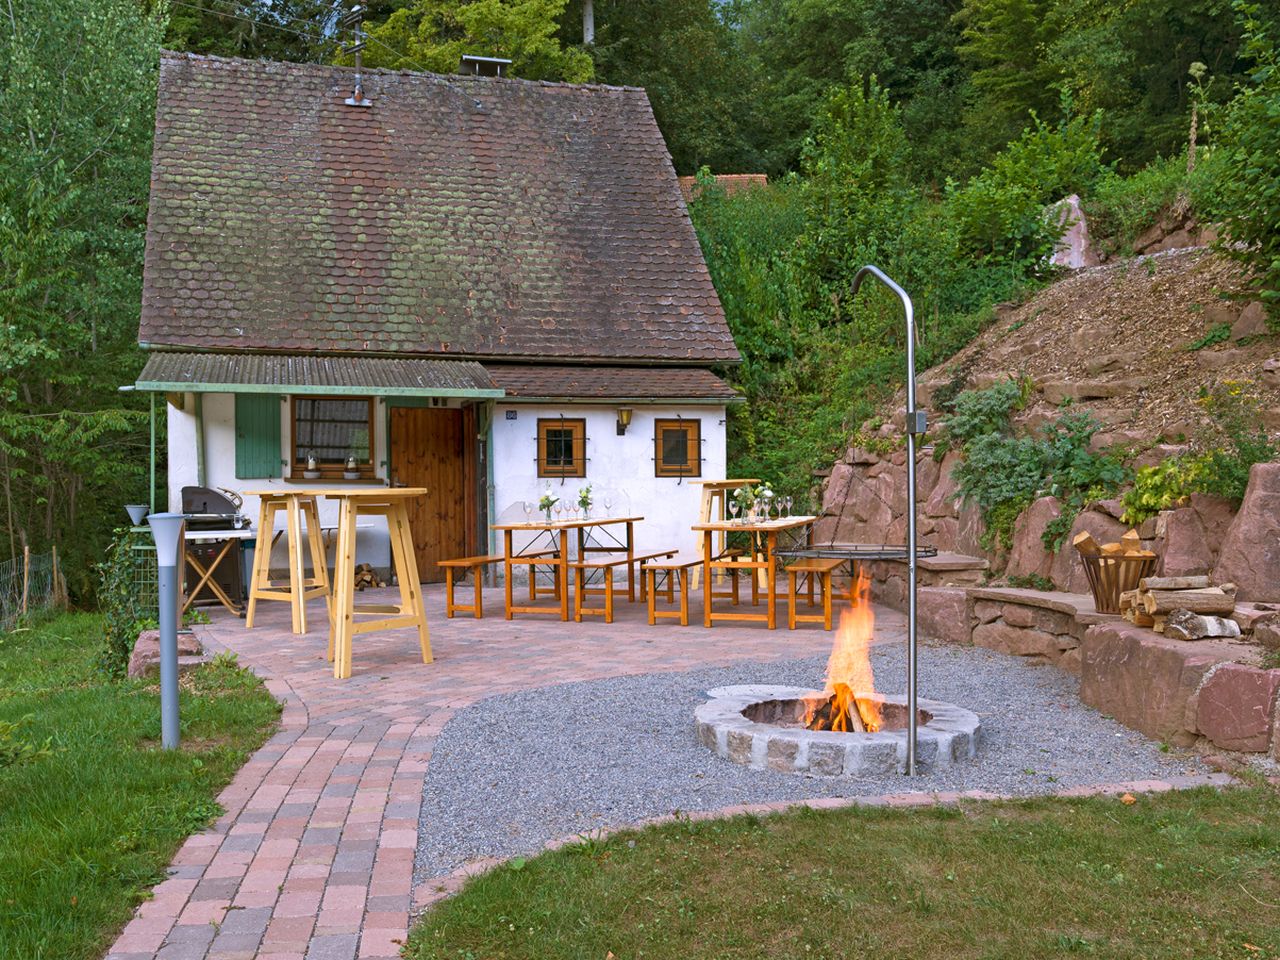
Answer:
[(257, 435)]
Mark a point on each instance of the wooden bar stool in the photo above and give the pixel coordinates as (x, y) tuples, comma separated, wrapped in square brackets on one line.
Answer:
[(814, 568), (298, 588), (343, 627)]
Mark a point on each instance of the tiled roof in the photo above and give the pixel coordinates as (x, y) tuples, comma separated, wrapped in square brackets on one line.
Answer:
[(731, 183), (463, 215), (610, 383), (384, 376)]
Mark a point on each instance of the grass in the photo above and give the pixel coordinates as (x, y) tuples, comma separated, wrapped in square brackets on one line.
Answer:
[(1189, 874), (88, 828)]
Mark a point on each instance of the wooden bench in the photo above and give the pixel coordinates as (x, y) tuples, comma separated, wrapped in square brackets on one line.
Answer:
[(606, 565), (474, 565), (675, 568), (813, 568)]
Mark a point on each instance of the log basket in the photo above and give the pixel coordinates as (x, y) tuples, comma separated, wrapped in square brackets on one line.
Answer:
[(1110, 576)]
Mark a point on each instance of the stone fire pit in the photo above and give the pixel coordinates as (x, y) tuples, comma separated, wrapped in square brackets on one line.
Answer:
[(762, 727)]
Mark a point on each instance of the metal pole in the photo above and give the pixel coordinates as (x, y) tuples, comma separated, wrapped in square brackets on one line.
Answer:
[(915, 425), (152, 499), (167, 528)]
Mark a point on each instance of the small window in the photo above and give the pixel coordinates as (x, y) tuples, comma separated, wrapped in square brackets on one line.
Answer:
[(331, 429), (677, 448), (562, 448)]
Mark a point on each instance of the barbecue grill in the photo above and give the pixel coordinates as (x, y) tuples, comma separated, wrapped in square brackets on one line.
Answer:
[(209, 509)]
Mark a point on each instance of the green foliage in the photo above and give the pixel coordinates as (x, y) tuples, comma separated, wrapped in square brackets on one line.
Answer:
[(434, 34), (1001, 215), (15, 749), (1032, 581), (978, 412), (77, 90), (297, 30), (1162, 486), (1249, 192), (1218, 333), (122, 613)]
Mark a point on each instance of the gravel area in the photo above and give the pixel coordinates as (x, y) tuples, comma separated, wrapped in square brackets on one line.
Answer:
[(511, 772)]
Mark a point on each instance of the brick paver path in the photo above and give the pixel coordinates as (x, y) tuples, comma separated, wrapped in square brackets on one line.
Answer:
[(313, 859)]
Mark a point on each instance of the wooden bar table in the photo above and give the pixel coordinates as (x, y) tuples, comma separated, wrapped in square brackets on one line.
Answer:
[(299, 505), (389, 502), (766, 531), (558, 535)]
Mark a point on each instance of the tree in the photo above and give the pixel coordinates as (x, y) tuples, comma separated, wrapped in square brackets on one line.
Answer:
[(685, 54), (434, 34), (303, 31), (75, 145)]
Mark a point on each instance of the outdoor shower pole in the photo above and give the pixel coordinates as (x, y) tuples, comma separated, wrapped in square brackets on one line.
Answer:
[(166, 528), (915, 426)]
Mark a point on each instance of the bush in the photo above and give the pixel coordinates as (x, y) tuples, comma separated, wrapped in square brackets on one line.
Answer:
[(1001, 214), (1249, 143), (122, 612), (978, 412), (1162, 487)]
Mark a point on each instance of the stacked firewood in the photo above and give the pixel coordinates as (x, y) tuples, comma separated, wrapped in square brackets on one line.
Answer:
[(1183, 608), (1114, 568), (367, 577)]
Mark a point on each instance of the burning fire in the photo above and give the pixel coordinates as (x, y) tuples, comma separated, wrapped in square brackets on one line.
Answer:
[(849, 670)]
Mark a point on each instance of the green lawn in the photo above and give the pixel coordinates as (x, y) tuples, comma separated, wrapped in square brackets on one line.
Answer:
[(1192, 874), (87, 829)]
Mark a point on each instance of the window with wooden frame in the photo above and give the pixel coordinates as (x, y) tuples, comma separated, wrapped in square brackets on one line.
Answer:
[(331, 429), (562, 447), (677, 448)]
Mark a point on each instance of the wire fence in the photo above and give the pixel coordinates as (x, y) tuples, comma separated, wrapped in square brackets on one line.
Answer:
[(31, 583)]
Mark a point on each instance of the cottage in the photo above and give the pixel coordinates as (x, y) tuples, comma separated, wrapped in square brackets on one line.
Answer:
[(477, 285)]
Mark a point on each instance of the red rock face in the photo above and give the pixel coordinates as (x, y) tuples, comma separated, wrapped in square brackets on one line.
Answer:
[(1236, 707), (1250, 555), (1029, 555), (943, 614), (1143, 680)]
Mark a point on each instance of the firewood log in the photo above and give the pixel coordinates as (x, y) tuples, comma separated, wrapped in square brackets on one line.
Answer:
[(1173, 583), (1185, 625), (1085, 543), (1208, 600), (1128, 600), (1131, 542), (1157, 624)]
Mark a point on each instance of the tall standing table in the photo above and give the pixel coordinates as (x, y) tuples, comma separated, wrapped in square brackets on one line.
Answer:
[(766, 532), (558, 534)]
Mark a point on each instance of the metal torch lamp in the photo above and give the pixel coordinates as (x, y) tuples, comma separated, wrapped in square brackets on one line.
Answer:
[(167, 530)]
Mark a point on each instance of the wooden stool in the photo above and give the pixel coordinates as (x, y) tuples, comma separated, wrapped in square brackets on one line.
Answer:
[(681, 568), (474, 565), (298, 506), (820, 568), (383, 502)]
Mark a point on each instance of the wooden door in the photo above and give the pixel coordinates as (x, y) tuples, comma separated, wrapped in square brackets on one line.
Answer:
[(429, 449)]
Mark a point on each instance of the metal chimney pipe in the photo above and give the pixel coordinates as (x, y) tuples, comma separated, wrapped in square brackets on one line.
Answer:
[(916, 424)]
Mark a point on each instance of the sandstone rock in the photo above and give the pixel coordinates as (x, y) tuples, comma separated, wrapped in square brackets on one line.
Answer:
[(1159, 454), (1178, 240), (1236, 707), (1207, 236), (1073, 249), (943, 614), (1216, 513), (1113, 507), (1055, 391), (861, 456), (1127, 438), (145, 659), (1266, 632), (1029, 555), (842, 475), (1250, 554), (987, 610), (1017, 615), (941, 502), (1270, 376), (1150, 237), (1105, 363), (1185, 552), (1219, 312), (1142, 679), (969, 530), (1067, 571), (1221, 359), (1177, 432), (1019, 641), (1252, 322)]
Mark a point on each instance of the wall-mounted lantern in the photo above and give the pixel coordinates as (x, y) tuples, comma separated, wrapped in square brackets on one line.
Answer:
[(624, 420)]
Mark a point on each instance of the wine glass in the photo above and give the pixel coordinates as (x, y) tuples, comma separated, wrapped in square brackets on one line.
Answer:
[(786, 506), (529, 506), (734, 507), (558, 509), (607, 500), (755, 509), (573, 511)]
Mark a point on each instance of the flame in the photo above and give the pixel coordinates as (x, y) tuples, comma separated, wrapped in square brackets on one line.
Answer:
[(849, 670)]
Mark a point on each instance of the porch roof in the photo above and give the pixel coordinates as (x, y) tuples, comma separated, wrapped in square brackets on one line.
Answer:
[(637, 384), (277, 373)]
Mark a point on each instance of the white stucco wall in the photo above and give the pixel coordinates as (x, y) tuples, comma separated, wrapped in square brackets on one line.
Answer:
[(623, 466), (220, 470)]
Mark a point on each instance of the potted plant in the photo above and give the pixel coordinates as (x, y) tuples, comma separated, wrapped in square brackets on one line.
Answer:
[(584, 501)]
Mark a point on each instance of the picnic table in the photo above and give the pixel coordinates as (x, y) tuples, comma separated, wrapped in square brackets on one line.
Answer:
[(764, 553), (549, 547)]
